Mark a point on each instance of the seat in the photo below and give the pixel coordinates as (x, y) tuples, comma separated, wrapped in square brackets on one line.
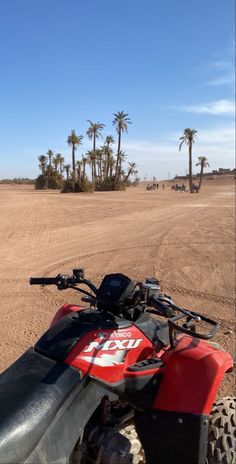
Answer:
[(32, 391)]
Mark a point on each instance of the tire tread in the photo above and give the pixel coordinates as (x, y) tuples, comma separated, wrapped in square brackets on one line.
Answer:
[(222, 434)]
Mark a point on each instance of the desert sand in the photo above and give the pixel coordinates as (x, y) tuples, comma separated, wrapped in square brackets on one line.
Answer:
[(187, 241)]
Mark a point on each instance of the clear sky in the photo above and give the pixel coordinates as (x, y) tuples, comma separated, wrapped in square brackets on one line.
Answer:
[(169, 64)]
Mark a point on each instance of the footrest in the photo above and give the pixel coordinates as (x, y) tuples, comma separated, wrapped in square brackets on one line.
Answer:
[(146, 364)]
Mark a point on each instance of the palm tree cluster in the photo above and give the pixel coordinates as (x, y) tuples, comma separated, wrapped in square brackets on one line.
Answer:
[(188, 138), (107, 167), (51, 166)]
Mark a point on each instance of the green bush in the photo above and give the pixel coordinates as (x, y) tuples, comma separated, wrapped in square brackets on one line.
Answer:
[(109, 184), (83, 185), (41, 182), (54, 181)]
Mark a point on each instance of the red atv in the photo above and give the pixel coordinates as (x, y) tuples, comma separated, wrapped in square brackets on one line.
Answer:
[(111, 384)]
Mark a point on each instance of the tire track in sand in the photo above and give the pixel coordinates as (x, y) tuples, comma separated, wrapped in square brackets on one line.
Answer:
[(215, 298)]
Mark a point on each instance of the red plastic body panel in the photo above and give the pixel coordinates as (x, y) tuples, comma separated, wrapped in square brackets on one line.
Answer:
[(105, 354), (193, 373), (64, 310)]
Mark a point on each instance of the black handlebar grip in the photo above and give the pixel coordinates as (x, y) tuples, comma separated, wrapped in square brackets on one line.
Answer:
[(43, 280), (164, 309)]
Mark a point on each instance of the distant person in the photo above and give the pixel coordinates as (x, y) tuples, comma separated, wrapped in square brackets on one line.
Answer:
[(157, 186), (163, 186)]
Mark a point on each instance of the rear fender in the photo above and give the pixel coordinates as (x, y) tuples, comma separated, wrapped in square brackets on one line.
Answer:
[(194, 371), (176, 430)]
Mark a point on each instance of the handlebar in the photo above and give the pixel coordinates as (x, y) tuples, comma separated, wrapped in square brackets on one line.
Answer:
[(43, 280), (64, 281), (162, 309), (156, 302), (166, 307)]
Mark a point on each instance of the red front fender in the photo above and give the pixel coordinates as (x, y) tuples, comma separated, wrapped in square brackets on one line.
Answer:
[(193, 373), (63, 311)]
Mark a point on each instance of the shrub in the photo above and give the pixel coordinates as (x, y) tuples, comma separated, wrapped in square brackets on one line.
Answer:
[(53, 181), (40, 182), (83, 185), (109, 184)]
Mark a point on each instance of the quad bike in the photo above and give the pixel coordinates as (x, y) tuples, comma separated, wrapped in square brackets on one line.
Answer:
[(112, 384)]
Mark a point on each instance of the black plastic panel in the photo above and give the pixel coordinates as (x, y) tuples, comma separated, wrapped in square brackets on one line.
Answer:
[(173, 437), (60, 339), (154, 330), (140, 391), (32, 391)]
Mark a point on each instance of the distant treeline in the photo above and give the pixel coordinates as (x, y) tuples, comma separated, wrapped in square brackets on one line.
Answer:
[(18, 180)]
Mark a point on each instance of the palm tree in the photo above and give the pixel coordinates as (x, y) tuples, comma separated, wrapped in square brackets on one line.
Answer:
[(50, 154), (84, 162), (203, 163), (79, 168), (121, 159), (92, 156), (121, 121), (74, 141), (109, 140), (188, 138), (94, 133), (43, 163), (132, 170), (56, 161), (107, 153), (60, 161), (99, 155), (67, 169), (111, 165)]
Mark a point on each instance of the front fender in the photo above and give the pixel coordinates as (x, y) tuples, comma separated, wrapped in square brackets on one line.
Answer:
[(63, 311), (193, 373)]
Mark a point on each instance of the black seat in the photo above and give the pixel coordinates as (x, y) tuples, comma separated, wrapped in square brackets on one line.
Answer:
[(32, 391)]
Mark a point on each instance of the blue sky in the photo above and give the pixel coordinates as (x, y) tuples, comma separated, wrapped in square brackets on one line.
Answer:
[(169, 64)]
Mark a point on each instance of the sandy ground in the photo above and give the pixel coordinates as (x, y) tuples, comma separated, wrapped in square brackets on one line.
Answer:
[(185, 240)]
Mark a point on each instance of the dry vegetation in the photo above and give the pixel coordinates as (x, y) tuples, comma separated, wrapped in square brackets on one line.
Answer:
[(185, 240)]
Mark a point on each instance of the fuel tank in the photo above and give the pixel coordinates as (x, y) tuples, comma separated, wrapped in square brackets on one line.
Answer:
[(99, 343)]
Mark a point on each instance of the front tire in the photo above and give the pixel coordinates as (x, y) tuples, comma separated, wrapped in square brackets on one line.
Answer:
[(222, 433)]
